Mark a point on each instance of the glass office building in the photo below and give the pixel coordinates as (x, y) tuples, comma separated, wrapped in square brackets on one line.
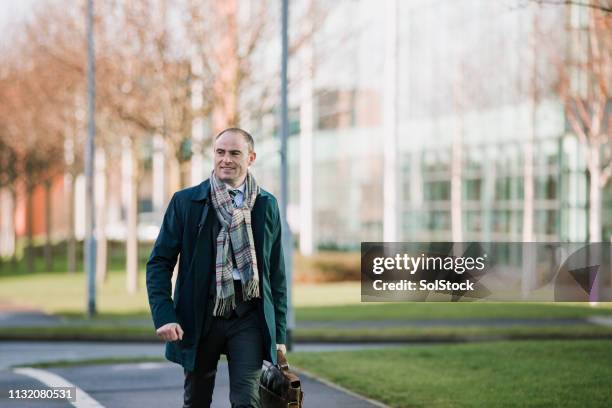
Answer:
[(474, 86)]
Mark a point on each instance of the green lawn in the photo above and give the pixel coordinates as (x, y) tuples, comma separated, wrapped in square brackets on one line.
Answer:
[(65, 294), (62, 292), (56, 292), (460, 333), (495, 374)]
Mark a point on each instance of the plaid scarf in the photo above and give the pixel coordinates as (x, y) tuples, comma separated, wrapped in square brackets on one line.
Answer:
[(236, 234)]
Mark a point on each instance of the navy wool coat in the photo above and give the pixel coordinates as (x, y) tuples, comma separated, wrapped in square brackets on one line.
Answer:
[(182, 233)]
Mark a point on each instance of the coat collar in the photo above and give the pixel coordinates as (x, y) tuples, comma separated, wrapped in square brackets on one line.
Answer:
[(202, 191)]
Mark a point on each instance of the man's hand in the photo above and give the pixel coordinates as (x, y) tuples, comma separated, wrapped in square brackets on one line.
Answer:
[(170, 332), (282, 348)]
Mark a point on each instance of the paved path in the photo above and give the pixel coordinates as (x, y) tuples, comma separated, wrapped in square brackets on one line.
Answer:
[(161, 385), (14, 353), (601, 320), (39, 319), (27, 319), (138, 384)]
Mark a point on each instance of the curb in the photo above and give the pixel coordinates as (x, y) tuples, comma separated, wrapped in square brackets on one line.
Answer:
[(338, 387)]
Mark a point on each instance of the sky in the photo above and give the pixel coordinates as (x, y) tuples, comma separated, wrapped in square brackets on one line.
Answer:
[(13, 12)]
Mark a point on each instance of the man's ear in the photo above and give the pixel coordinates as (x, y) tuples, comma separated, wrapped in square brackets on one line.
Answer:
[(252, 157)]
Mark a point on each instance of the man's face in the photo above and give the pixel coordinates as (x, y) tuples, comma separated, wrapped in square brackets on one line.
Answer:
[(232, 158)]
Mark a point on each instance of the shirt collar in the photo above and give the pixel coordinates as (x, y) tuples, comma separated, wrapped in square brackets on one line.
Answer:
[(240, 188)]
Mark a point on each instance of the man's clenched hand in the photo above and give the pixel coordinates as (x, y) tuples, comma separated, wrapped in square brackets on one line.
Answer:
[(170, 332)]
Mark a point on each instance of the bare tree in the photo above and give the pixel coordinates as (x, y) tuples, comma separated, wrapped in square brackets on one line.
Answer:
[(584, 86), (54, 36), (8, 170), (31, 135)]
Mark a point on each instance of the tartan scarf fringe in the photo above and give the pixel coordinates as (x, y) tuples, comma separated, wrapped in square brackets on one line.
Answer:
[(224, 306), (251, 289)]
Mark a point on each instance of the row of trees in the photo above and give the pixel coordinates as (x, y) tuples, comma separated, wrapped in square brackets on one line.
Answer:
[(163, 68), (167, 67)]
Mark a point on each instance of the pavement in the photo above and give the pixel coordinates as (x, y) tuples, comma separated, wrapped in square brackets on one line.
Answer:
[(27, 319), (153, 385), (160, 384), (150, 384), (20, 353), (31, 318)]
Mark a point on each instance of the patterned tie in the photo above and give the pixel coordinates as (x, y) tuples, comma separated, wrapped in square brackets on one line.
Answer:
[(233, 194)]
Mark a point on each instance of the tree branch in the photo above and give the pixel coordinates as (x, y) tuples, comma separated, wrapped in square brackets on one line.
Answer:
[(607, 9)]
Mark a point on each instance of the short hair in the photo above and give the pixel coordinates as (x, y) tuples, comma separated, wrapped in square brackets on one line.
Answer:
[(247, 136)]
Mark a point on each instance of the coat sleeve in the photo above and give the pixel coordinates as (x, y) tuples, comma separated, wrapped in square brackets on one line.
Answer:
[(278, 281), (161, 265)]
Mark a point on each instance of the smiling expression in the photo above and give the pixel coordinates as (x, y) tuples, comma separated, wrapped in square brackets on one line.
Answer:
[(232, 158)]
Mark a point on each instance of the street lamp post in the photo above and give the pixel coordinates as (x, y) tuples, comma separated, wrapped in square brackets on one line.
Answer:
[(286, 238), (90, 241)]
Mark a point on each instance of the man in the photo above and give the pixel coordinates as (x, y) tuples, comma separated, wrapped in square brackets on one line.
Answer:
[(230, 295)]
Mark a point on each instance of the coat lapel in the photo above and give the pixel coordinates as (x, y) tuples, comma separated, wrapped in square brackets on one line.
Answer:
[(258, 222), (198, 213)]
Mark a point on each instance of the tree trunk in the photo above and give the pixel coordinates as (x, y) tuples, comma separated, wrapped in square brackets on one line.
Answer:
[(529, 279), (7, 229), (456, 184), (13, 214), (132, 221), (456, 181), (159, 174), (30, 228), (528, 254), (71, 264), (306, 147), (48, 227), (390, 155), (528, 173), (594, 167), (101, 241), (594, 194), (528, 193), (174, 170)]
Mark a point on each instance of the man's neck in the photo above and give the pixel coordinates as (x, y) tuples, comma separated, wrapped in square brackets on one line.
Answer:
[(236, 185)]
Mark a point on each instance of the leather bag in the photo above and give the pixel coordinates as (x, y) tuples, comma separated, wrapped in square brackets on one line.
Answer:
[(279, 386)]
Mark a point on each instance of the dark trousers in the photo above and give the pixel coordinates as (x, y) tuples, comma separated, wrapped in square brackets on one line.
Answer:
[(240, 339)]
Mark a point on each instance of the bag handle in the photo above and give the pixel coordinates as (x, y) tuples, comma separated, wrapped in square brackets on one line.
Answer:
[(281, 360)]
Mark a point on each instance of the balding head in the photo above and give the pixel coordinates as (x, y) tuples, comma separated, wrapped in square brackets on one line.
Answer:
[(246, 135)]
